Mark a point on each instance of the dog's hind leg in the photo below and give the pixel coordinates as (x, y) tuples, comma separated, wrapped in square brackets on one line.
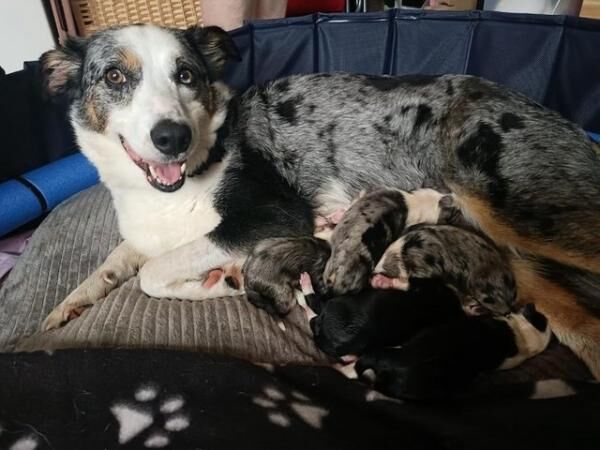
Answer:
[(573, 313), (182, 273), (536, 189), (122, 263), (575, 324)]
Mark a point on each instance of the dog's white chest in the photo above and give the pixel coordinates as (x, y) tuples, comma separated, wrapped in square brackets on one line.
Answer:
[(155, 222)]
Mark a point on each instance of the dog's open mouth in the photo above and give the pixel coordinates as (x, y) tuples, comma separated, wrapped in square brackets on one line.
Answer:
[(166, 177)]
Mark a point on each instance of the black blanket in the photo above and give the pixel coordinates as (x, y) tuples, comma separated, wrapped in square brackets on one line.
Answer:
[(124, 399)]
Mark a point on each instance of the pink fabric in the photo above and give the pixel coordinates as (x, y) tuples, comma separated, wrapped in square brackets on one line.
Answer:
[(10, 249)]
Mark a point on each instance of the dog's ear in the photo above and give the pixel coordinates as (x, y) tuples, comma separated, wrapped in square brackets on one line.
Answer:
[(215, 45), (61, 68)]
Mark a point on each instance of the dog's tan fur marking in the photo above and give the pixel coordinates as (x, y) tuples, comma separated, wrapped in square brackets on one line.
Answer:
[(574, 325), (95, 118), (480, 212), (129, 60)]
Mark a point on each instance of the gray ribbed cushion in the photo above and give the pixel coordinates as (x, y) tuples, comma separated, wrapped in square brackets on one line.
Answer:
[(71, 243)]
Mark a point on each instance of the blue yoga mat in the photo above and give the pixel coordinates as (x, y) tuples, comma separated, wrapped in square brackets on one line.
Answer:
[(34, 193)]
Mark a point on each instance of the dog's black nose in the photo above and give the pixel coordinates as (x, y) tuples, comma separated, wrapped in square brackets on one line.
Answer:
[(171, 138)]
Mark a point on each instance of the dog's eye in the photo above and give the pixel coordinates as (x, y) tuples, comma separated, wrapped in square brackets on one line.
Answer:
[(185, 76), (115, 76)]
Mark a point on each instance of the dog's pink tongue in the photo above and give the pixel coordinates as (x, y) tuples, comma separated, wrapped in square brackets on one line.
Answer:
[(168, 173)]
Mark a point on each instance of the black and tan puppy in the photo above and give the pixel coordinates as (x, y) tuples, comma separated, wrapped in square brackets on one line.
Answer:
[(272, 271), (470, 264)]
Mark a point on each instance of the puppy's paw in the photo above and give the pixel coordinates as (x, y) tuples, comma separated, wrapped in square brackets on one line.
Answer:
[(393, 372), (387, 375), (381, 281)]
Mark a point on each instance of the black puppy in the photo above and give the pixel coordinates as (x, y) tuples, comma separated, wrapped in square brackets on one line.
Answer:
[(444, 359), (373, 318), (354, 323)]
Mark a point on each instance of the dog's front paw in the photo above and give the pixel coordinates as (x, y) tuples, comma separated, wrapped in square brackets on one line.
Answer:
[(89, 292), (61, 315)]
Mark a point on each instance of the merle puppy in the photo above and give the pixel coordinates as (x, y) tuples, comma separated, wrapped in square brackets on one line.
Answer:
[(272, 271), (372, 222), (470, 264)]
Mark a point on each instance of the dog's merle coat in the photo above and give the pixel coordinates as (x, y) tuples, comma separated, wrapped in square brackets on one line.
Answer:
[(282, 151)]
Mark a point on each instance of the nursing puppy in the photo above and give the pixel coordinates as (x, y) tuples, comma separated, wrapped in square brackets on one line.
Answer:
[(351, 324), (478, 272), (272, 271), (444, 359), (368, 226)]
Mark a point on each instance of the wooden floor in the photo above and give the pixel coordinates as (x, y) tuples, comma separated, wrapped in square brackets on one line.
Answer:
[(591, 8)]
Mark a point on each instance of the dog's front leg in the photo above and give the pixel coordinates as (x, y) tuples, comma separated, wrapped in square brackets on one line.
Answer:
[(122, 263), (182, 273)]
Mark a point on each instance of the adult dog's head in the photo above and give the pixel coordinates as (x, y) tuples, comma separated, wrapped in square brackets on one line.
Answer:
[(145, 100)]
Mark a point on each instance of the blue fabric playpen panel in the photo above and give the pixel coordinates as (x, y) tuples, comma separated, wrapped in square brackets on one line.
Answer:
[(553, 59)]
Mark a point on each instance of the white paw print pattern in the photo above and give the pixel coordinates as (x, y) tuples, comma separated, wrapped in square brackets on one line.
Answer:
[(137, 417), (280, 409), (27, 442)]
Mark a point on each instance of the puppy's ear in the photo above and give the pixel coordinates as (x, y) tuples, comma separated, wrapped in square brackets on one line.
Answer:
[(215, 45), (61, 68)]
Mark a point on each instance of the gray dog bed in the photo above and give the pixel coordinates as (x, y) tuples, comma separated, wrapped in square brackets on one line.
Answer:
[(77, 236), (71, 243)]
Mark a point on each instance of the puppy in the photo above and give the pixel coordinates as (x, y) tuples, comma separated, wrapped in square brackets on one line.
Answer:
[(272, 271), (351, 324), (443, 360), (470, 264), (373, 222)]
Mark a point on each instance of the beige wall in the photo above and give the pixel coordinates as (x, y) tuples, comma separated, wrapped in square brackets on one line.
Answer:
[(24, 33)]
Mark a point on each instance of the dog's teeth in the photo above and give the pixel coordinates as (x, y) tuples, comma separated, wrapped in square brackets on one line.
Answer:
[(182, 168), (152, 172)]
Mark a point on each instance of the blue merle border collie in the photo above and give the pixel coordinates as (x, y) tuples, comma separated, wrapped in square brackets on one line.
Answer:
[(199, 174)]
